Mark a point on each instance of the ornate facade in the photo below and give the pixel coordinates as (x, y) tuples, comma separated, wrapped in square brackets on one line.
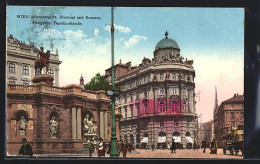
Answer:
[(229, 119), (20, 63), (50, 117), (157, 102)]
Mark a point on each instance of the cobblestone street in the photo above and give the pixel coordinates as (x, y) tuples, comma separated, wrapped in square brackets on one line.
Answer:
[(181, 153), (142, 153)]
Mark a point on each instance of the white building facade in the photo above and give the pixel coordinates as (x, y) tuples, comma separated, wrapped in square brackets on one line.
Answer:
[(20, 61)]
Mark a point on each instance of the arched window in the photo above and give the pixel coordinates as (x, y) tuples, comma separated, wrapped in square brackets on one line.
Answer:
[(132, 139)]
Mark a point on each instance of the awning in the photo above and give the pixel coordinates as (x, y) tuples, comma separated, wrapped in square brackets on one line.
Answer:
[(190, 140), (145, 140), (177, 139), (161, 139)]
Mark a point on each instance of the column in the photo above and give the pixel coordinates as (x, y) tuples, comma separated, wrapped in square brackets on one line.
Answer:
[(105, 125), (74, 130), (101, 125), (79, 123)]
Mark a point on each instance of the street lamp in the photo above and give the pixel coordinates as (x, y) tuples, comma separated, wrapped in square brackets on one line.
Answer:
[(113, 93)]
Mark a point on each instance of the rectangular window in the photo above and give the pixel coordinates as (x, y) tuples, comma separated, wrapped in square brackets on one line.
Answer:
[(184, 106), (125, 100), (137, 96), (184, 91), (138, 110), (26, 69), (161, 124), (161, 76), (25, 83), (145, 108), (162, 107), (11, 67), (119, 110), (161, 91), (188, 123), (232, 115), (174, 90), (11, 82), (125, 112), (119, 100), (50, 72), (145, 94), (173, 76), (242, 114), (132, 111), (174, 106), (131, 98), (175, 123), (232, 106)]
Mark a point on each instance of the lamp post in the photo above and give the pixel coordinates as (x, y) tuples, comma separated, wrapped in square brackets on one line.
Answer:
[(113, 93)]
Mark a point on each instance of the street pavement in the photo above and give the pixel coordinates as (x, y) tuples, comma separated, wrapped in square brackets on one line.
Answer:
[(155, 154)]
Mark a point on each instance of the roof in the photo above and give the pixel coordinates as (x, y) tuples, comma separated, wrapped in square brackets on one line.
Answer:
[(235, 98), (131, 71), (167, 43)]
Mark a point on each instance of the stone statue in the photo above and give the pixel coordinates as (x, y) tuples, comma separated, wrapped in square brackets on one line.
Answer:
[(22, 126), (53, 128), (89, 127)]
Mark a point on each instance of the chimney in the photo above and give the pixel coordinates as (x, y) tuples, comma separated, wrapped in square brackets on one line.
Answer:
[(235, 95), (128, 66)]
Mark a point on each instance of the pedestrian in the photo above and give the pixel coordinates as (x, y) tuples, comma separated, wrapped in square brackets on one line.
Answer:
[(173, 147), (213, 147), (203, 145), (26, 148), (90, 147), (101, 148), (124, 148), (194, 145)]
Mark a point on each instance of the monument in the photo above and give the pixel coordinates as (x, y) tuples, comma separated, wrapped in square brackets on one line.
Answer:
[(89, 134), (39, 64)]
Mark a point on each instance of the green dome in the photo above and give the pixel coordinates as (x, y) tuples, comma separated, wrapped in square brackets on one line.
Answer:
[(167, 43)]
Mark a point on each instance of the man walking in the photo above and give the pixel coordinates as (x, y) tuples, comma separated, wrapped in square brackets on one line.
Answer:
[(203, 144), (26, 148), (173, 147)]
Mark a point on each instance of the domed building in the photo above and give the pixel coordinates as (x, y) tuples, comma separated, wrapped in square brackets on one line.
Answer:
[(157, 103)]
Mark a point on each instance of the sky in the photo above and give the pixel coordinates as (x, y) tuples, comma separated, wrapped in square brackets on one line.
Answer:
[(212, 37)]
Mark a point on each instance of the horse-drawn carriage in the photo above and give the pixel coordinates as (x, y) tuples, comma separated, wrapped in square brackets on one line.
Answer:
[(233, 147)]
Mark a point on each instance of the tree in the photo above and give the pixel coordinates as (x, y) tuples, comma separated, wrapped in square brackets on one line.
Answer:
[(98, 82)]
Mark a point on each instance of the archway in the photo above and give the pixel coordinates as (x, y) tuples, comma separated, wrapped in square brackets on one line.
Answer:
[(161, 142)]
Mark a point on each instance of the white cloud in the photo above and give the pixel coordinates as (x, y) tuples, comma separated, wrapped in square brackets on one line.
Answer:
[(122, 29), (74, 35), (50, 33), (96, 32), (134, 40)]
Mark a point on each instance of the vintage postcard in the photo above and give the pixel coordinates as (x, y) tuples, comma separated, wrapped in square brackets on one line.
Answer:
[(124, 82)]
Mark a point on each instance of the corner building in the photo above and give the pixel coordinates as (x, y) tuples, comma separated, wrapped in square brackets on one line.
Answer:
[(157, 102)]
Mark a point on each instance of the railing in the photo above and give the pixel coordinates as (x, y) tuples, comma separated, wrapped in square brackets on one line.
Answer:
[(31, 89)]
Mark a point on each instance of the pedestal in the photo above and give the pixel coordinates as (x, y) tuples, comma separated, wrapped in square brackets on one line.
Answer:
[(87, 138), (47, 79)]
